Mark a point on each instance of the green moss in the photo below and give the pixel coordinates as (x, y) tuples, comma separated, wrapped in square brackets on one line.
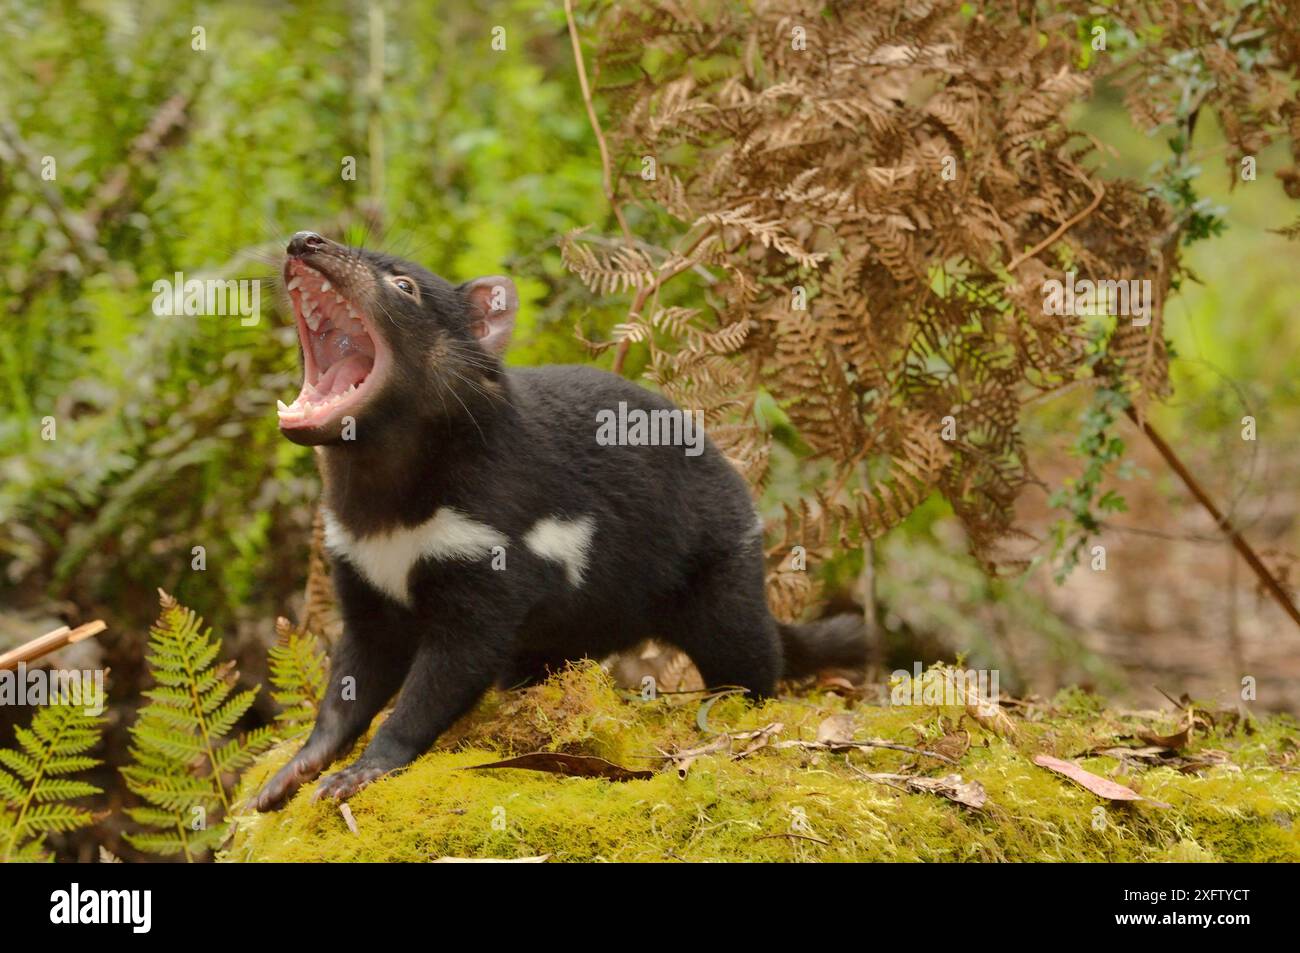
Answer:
[(787, 803)]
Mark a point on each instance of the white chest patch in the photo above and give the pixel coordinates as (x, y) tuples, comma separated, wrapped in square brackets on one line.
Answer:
[(567, 542), (386, 559)]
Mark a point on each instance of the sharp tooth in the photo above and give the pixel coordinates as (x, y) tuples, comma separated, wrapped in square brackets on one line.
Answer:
[(281, 405), (324, 286), (313, 320), (295, 282)]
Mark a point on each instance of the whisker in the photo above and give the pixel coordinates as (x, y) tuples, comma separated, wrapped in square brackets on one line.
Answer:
[(473, 419)]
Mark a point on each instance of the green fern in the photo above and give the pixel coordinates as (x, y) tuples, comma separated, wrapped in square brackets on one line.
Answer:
[(35, 788), (297, 671), (183, 755)]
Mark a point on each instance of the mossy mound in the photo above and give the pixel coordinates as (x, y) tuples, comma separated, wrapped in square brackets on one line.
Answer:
[(1232, 791)]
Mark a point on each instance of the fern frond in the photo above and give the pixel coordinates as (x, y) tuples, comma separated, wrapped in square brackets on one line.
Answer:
[(606, 272), (298, 677), (33, 788), (181, 750)]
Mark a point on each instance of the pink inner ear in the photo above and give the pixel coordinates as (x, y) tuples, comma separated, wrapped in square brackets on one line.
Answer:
[(494, 302)]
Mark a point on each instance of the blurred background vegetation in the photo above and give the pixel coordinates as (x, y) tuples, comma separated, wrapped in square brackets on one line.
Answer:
[(472, 161)]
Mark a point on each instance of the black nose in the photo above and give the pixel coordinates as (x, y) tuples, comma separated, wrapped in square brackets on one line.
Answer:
[(304, 243)]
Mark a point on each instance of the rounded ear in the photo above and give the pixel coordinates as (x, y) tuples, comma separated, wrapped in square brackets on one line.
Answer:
[(493, 302)]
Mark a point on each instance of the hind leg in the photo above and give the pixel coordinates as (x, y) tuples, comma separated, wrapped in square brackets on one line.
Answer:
[(722, 622)]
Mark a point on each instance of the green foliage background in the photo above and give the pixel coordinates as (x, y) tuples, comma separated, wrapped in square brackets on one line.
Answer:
[(166, 437)]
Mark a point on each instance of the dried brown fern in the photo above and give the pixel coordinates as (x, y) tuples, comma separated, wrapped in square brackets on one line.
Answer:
[(321, 613), (878, 193)]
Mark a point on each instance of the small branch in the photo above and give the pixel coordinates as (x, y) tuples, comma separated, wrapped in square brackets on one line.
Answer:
[(49, 642), (870, 743), (1046, 395), (1065, 226), (595, 122), (1270, 583), (793, 836)]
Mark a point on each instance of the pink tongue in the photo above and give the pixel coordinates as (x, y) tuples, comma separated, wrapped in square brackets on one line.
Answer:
[(343, 374)]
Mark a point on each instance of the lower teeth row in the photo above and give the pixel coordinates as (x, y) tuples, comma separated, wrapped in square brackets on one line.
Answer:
[(333, 398)]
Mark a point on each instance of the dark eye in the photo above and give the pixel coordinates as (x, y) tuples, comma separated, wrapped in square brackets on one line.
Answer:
[(403, 284)]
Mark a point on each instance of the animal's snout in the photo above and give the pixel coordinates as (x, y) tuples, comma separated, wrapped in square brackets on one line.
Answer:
[(304, 243)]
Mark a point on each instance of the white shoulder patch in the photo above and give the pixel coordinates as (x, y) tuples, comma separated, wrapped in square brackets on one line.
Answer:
[(567, 542), (386, 559)]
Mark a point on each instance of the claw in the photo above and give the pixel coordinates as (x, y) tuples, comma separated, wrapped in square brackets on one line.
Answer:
[(343, 784)]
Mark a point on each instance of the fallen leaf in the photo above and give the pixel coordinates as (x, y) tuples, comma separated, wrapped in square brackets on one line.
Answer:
[(837, 685), (969, 793), (1207, 758), (1098, 785), (1175, 741), (835, 730), (683, 760), (572, 765), (954, 745), (989, 715), (757, 739), (1119, 752)]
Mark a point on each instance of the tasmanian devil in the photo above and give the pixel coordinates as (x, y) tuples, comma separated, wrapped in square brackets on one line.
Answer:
[(485, 525)]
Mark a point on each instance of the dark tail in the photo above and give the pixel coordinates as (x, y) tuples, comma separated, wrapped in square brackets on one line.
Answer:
[(837, 642)]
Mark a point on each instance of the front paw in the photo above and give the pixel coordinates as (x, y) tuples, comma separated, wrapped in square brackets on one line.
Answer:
[(276, 792), (343, 784)]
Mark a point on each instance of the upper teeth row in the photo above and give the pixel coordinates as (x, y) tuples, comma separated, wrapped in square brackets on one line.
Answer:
[(310, 305)]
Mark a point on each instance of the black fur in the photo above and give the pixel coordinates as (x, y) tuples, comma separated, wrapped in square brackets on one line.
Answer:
[(676, 552)]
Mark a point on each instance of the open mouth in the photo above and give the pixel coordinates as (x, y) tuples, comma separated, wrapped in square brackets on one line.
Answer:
[(341, 358)]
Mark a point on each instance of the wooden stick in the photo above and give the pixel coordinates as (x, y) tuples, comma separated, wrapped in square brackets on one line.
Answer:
[(1274, 587), (49, 642)]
